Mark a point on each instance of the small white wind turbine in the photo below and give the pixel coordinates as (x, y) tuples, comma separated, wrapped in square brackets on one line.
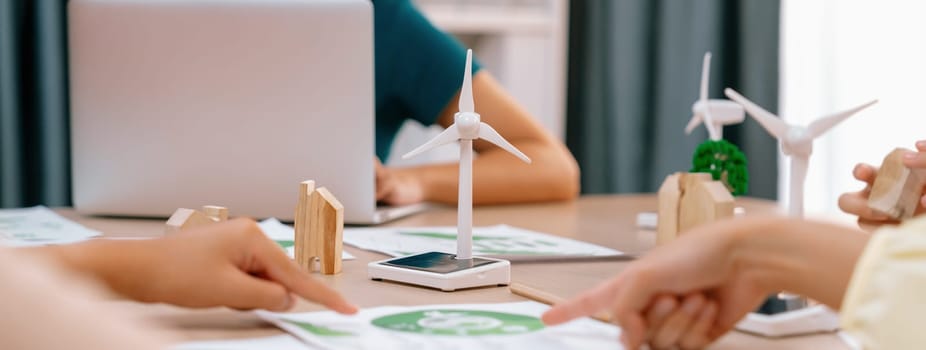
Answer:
[(466, 128), (714, 113), (442, 270), (796, 142)]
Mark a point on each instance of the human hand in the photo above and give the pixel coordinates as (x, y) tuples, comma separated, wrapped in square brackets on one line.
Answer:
[(700, 267), (229, 264), (397, 186), (680, 324), (918, 161), (856, 203)]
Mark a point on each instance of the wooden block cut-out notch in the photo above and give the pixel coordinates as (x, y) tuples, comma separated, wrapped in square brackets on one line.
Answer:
[(319, 229)]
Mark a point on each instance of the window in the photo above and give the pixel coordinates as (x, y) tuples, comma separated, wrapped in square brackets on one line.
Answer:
[(837, 54)]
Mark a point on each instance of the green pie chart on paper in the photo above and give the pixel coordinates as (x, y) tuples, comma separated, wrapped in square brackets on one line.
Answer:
[(459, 323)]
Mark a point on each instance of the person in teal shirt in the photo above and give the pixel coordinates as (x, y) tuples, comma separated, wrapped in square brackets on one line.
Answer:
[(418, 75)]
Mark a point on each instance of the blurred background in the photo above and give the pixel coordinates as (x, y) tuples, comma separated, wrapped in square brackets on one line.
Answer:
[(614, 79)]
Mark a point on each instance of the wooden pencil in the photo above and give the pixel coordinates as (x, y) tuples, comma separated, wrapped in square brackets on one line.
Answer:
[(548, 298)]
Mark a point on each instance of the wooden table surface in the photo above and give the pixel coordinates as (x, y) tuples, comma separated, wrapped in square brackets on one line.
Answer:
[(605, 220)]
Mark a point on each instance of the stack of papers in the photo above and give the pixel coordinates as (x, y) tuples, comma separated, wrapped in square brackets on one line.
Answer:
[(39, 226), (461, 326), (285, 236), (501, 241)]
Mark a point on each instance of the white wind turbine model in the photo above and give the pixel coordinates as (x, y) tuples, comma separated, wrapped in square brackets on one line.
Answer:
[(445, 271), (466, 128), (796, 142), (714, 113)]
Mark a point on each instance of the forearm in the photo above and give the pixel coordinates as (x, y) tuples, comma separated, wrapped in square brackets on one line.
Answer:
[(500, 178), (809, 258), (120, 265)]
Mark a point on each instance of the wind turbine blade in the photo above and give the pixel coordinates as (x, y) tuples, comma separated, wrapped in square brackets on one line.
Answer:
[(774, 125), (487, 133), (705, 80), (466, 92), (705, 75), (449, 135), (693, 123), (820, 126)]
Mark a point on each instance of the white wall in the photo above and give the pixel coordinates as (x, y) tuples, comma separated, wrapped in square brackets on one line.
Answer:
[(840, 53)]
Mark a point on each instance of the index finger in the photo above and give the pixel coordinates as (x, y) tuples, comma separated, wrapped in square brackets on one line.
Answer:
[(856, 203), (286, 272), (628, 293), (586, 304)]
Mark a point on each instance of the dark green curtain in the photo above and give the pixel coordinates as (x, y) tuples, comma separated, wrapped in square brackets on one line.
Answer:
[(34, 136), (634, 72)]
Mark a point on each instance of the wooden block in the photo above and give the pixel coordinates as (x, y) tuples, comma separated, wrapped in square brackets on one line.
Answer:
[(216, 213), (670, 194), (703, 202), (319, 229), (304, 256), (185, 218), (897, 189), (327, 226)]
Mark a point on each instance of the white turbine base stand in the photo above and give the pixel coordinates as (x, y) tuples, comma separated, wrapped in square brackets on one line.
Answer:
[(496, 272), (808, 320)]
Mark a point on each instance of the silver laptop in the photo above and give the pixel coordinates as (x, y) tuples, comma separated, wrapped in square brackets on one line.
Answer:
[(234, 103)]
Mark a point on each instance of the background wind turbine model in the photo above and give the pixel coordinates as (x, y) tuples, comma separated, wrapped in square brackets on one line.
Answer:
[(449, 272), (791, 315), (796, 142), (723, 160), (714, 113)]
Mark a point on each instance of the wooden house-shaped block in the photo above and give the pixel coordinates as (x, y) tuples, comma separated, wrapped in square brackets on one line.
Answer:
[(319, 222), (687, 200), (185, 218)]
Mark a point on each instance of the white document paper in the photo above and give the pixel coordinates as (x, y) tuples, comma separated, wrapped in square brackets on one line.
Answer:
[(279, 342), (463, 326), (285, 236), (39, 226), (500, 241)]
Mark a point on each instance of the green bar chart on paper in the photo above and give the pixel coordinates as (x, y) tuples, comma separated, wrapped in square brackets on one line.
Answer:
[(500, 241)]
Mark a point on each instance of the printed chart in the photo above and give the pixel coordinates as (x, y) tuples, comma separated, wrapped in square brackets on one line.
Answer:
[(464, 326), (501, 241)]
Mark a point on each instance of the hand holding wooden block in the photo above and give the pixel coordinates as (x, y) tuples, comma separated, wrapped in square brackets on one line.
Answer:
[(897, 188)]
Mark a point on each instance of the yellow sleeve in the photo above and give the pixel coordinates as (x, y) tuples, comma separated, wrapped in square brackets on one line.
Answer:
[(885, 304)]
